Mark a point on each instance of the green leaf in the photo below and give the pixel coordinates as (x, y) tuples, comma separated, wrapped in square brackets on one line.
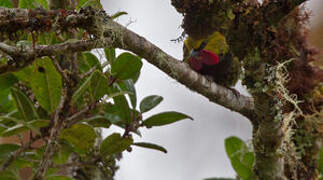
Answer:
[(110, 54), (24, 105), (7, 149), (82, 89), (80, 4), (241, 159), (126, 66), (9, 175), (123, 109), (26, 4), (150, 146), (99, 85), (87, 60), (164, 118), (81, 136), (7, 80), (59, 178), (149, 103), (98, 121), (114, 144), (128, 86), (113, 118), (6, 3), (24, 74), (234, 145), (320, 161), (19, 128), (6, 103), (46, 84), (118, 14), (243, 171), (93, 3)]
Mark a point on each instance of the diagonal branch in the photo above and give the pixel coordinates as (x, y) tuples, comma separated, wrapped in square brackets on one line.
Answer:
[(182, 72)]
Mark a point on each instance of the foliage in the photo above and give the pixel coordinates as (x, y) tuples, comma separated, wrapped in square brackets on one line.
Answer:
[(95, 93)]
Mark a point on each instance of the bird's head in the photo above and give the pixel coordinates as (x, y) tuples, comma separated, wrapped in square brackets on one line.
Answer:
[(200, 57)]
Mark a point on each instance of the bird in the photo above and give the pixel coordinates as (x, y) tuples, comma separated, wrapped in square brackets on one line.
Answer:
[(212, 58)]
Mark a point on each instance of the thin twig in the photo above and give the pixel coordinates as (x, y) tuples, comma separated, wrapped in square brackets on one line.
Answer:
[(74, 118), (17, 153), (50, 148), (59, 68)]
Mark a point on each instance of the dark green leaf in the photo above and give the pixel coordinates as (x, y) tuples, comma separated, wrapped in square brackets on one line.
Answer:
[(6, 81), (93, 3), (24, 74), (320, 161), (82, 89), (241, 159), (123, 109), (87, 60), (59, 178), (110, 54), (128, 85), (118, 14), (164, 119), (99, 85), (6, 104), (150, 146), (46, 84), (6, 3), (80, 4), (114, 144), (19, 128), (82, 136), (98, 121), (8, 175), (243, 171), (113, 118), (149, 103), (61, 156), (126, 66), (24, 105), (39, 123), (26, 4), (7, 149), (136, 77)]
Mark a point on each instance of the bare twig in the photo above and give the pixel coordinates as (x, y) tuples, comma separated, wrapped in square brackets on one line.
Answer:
[(59, 68), (74, 118)]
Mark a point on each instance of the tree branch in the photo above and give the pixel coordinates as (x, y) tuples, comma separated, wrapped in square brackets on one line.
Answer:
[(118, 36), (181, 71), (51, 144), (25, 56)]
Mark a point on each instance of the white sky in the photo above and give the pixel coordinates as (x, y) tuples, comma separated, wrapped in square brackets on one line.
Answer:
[(195, 148)]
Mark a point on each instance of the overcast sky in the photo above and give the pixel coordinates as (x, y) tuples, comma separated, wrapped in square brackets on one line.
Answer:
[(195, 148)]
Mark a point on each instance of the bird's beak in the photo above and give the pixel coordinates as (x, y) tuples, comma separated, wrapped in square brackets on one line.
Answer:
[(194, 53)]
